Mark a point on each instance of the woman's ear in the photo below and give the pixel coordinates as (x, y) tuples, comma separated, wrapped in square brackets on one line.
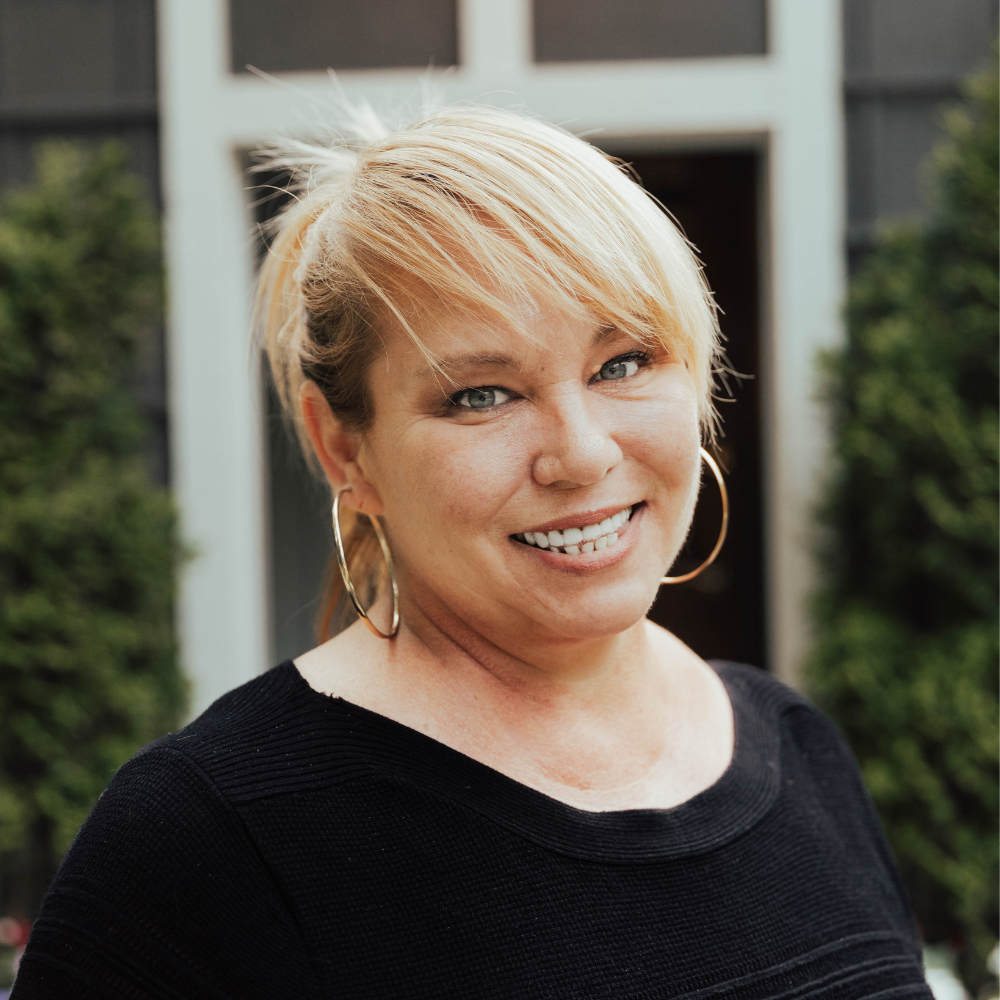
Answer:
[(336, 448)]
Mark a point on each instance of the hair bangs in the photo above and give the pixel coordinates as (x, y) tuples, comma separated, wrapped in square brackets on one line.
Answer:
[(524, 211)]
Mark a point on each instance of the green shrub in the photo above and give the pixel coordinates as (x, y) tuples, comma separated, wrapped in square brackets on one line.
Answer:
[(88, 545), (906, 651)]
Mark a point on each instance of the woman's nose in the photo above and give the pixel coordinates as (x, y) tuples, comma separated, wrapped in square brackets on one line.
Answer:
[(578, 451)]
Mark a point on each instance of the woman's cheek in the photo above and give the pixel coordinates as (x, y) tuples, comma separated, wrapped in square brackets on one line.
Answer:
[(479, 468), (448, 480), (661, 433)]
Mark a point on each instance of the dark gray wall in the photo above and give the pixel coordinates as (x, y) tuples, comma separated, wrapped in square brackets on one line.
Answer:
[(903, 62), (78, 68), (86, 69), (585, 30), (301, 540), (288, 35)]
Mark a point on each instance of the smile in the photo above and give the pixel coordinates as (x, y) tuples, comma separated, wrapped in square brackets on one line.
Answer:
[(573, 541)]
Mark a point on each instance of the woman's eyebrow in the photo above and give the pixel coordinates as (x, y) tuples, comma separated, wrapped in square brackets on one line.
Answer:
[(475, 360), (465, 362), (602, 333)]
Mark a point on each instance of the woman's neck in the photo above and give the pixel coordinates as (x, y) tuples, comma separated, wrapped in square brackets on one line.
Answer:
[(598, 723), (524, 665)]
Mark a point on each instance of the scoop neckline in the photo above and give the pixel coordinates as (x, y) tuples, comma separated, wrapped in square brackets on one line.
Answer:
[(724, 810)]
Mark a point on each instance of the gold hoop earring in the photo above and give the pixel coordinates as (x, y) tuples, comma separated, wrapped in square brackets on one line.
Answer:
[(713, 465), (346, 573)]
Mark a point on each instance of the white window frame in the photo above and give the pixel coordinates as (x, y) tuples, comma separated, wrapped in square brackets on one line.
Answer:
[(792, 96)]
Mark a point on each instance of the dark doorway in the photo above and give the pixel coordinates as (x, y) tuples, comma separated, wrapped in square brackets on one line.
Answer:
[(721, 613), (713, 196)]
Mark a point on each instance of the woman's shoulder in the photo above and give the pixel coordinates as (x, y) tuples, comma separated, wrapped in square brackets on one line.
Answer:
[(263, 738), (775, 710), (240, 712), (164, 868), (810, 755), (759, 689), (176, 794)]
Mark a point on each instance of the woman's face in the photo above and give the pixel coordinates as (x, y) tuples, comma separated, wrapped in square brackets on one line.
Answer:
[(554, 438)]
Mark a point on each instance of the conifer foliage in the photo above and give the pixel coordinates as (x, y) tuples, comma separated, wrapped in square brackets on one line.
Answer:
[(88, 545), (906, 657)]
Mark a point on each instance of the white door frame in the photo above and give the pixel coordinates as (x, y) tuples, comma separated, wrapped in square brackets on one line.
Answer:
[(793, 95)]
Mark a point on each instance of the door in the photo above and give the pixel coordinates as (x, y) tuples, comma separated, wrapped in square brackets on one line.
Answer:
[(721, 613)]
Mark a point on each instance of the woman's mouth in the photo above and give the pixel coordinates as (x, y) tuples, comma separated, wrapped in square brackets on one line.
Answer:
[(574, 541)]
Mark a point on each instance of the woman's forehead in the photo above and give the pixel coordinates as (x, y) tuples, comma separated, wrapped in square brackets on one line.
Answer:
[(452, 343)]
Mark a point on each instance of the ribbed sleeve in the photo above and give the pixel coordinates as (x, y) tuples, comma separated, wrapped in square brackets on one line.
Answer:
[(163, 895)]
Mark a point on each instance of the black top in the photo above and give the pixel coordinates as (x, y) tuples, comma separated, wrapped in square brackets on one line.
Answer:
[(289, 844)]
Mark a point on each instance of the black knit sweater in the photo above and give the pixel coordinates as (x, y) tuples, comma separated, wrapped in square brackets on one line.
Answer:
[(291, 845)]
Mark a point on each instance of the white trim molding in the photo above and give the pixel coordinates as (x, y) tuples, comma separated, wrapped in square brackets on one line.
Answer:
[(792, 95), (217, 465)]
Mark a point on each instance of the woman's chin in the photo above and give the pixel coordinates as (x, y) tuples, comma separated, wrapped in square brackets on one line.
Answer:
[(514, 611), (591, 618)]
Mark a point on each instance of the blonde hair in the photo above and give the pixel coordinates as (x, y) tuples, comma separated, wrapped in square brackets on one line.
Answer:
[(485, 209)]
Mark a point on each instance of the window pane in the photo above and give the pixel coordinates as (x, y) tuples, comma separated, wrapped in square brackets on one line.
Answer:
[(578, 30), (287, 35)]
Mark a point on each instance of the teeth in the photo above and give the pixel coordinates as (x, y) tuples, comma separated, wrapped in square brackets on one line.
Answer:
[(594, 537)]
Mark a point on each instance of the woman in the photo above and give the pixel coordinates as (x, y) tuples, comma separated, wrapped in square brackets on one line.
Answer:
[(503, 781)]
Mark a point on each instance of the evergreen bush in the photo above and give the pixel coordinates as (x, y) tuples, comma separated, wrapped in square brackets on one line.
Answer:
[(88, 545), (906, 652)]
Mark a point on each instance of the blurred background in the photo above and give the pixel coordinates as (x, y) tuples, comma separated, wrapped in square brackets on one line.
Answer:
[(793, 140)]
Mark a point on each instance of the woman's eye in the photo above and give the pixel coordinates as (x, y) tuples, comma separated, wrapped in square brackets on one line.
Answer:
[(480, 399), (618, 368)]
